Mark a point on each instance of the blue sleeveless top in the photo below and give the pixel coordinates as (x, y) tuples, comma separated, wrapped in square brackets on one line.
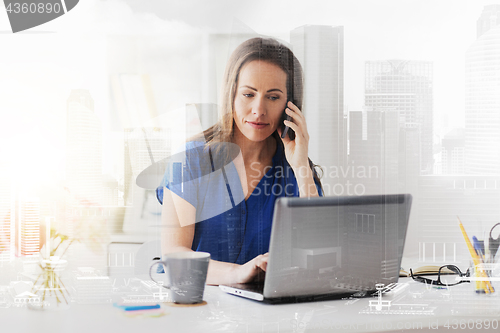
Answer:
[(229, 227)]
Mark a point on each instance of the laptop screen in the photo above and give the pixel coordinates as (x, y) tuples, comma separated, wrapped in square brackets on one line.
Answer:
[(336, 244)]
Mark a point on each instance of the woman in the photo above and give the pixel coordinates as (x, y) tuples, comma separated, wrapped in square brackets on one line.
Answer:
[(206, 210)]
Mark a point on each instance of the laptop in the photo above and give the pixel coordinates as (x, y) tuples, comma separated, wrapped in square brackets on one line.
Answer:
[(331, 248)]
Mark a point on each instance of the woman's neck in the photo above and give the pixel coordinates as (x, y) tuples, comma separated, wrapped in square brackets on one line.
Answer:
[(255, 151)]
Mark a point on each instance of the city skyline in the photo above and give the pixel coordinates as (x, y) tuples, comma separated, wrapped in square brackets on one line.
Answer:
[(406, 87), (400, 97), (133, 68), (446, 107)]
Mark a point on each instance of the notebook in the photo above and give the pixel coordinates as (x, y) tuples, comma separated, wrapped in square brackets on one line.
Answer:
[(331, 247)]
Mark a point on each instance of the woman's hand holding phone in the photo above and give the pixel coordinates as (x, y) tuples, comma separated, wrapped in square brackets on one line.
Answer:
[(296, 151)]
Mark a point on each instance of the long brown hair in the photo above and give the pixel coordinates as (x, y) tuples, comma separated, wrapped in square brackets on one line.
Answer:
[(265, 49)]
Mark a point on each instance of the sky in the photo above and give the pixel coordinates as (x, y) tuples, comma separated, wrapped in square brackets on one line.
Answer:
[(438, 31), (39, 67)]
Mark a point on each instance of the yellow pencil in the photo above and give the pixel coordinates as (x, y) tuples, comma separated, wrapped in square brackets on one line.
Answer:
[(477, 261), (475, 258)]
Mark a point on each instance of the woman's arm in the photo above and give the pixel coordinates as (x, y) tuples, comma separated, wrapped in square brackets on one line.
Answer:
[(178, 222), (296, 151), (305, 181)]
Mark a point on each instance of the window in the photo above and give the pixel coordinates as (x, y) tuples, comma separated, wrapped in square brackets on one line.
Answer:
[(365, 223)]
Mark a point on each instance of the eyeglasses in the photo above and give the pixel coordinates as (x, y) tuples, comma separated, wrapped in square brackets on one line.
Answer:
[(448, 277)]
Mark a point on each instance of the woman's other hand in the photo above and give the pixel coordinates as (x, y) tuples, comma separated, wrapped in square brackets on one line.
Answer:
[(253, 270)]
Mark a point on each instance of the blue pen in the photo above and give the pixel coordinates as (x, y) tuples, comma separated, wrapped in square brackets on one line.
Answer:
[(137, 307), (478, 246)]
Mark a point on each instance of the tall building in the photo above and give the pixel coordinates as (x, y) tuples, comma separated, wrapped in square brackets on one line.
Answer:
[(143, 147), (406, 87), (7, 217), (490, 18), (373, 151), (452, 152), (111, 192), (482, 96), (409, 155), (83, 147), (383, 157), (29, 226), (320, 50)]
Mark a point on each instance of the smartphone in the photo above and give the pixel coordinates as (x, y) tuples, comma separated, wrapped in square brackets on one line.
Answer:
[(287, 129)]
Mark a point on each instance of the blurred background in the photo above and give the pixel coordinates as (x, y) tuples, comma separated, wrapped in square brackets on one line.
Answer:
[(401, 97)]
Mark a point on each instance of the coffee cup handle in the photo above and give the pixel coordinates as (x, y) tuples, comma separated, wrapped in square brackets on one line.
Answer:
[(164, 263)]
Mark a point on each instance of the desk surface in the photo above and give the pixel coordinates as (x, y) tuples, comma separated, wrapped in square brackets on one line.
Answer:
[(417, 307)]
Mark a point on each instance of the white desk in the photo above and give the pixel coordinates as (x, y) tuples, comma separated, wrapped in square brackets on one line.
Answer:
[(458, 308)]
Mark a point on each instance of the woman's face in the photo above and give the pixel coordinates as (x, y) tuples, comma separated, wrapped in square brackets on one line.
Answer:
[(260, 99)]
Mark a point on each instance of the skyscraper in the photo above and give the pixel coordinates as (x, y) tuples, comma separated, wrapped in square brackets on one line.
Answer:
[(452, 152), (29, 223), (490, 18), (320, 50), (143, 147), (373, 151), (83, 147), (482, 96), (406, 87), (7, 217)]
